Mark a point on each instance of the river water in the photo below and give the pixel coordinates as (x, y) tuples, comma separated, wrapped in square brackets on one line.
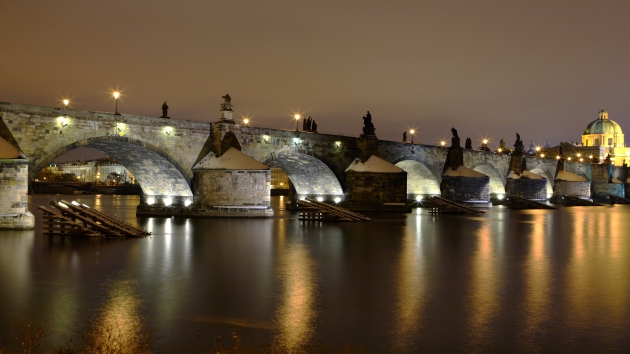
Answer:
[(518, 281)]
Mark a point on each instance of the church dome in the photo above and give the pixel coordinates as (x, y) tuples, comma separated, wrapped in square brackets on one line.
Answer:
[(603, 125)]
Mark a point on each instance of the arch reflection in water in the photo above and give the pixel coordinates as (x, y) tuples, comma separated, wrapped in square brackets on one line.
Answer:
[(296, 312)]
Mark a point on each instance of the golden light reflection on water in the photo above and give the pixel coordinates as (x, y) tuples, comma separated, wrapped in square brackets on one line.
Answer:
[(118, 327), (484, 279), (411, 292), (537, 282), (296, 312), (596, 281)]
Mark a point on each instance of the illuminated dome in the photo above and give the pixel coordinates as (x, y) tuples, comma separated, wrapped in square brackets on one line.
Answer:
[(603, 125), (604, 132)]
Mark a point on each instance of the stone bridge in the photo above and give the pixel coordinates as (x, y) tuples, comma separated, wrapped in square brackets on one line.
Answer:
[(160, 152)]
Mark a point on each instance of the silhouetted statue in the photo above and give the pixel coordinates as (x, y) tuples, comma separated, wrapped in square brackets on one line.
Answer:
[(404, 137), (560, 150), (502, 144), (455, 139), (227, 102), (518, 145), (304, 124), (468, 144), (313, 126), (368, 127), (164, 110)]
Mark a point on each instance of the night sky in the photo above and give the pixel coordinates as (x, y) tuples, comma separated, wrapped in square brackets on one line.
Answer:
[(489, 68)]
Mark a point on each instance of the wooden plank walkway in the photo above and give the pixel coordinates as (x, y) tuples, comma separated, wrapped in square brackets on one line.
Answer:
[(441, 205), (312, 210), (571, 200), (74, 219), (522, 203), (615, 199)]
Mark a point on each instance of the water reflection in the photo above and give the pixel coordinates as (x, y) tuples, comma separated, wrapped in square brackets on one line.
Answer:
[(118, 327), (296, 313), (412, 288), (483, 302)]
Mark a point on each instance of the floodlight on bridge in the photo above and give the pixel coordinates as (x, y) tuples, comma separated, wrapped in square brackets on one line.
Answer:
[(168, 130), (337, 144)]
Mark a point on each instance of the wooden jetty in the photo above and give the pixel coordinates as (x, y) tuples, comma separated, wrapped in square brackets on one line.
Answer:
[(75, 219), (571, 200), (439, 205), (312, 210), (614, 199), (522, 203)]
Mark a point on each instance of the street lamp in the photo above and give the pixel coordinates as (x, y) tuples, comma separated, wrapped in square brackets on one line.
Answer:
[(412, 131), (442, 143), (297, 119), (65, 102), (246, 121), (116, 95)]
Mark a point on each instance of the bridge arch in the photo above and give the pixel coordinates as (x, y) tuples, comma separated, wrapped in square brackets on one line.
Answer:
[(497, 182), (420, 181), (309, 176), (161, 178)]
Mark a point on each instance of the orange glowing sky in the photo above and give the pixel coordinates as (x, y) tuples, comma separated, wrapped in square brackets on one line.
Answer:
[(489, 68)]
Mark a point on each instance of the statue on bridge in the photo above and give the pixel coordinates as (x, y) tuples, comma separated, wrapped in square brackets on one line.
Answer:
[(502, 144), (227, 103), (518, 145), (404, 136), (455, 139), (468, 145), (368, 127), (164, 111)]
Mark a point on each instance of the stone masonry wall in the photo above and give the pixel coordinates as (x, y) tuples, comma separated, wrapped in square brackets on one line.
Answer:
[(13, 186), (232, 188), (463, 189), (578, 189), (533, 189), (376, 188)]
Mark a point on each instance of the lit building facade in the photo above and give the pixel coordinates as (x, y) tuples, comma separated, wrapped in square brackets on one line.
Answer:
[(279, 179), (605, 134)]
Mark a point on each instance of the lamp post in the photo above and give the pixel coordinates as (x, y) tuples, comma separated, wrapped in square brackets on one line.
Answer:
[(297, 119), (412, 131), (442, 143), (65, 103), (116, 95), (246, 121)]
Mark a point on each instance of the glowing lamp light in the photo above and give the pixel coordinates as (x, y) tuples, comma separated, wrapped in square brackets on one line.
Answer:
[(557, 157), (337, 200), (569, 158), (442, 143), (63, 122), (537, 148), (337, 144), (320, 199), (168, 130), (187, 202), (499, 149), (246, 121), (542, 155), (297, 119), (296, 141), (168, 201), (485, 141), (581, 159), (265, 138), (500, 196), (590, 156), (418, 198), (66, 102), (151, 201), (116, 94), (579, 155)]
